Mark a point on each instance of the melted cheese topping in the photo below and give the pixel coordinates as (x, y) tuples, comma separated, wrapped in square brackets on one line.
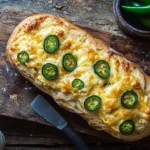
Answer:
[(123, 75)]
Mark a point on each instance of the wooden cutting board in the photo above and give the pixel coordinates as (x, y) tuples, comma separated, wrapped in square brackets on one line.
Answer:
[(12, 82)]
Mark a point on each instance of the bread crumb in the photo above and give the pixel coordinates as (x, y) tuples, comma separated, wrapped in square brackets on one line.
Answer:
[(58, 7), (4, 90), (13, 97), (50, 2)]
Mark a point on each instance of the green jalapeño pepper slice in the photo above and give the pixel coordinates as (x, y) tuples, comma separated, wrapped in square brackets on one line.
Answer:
[(144, 20), (102, 69), (23, 57), (135, 4), (141, 2), (92, 103), (49, 71), (129, 99), (138, 10), (69, 62), (51, 44), (127, 127), (78, 84)]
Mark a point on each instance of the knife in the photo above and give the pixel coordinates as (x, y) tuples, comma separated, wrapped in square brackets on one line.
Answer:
[(46, 111)]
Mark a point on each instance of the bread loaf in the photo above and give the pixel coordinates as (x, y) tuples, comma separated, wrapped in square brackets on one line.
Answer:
[(83, 75)]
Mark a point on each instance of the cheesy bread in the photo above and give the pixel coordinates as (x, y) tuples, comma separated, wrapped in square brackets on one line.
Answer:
[(83, 75)]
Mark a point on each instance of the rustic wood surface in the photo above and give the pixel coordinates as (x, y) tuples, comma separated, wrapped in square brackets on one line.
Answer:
[(21, 135), (102, 25)]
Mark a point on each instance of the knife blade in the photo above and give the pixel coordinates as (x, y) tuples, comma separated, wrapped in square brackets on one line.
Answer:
[(45, 110), (41, 106)]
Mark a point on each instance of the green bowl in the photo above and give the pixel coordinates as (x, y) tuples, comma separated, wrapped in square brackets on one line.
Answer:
[(125, 25)]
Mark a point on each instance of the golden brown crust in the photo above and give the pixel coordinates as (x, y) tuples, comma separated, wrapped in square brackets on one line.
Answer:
[(147, 88), (32, 23)]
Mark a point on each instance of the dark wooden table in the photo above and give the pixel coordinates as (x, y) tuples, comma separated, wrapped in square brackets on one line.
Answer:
[(97, 14)]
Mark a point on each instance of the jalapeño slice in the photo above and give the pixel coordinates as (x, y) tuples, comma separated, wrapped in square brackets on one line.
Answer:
[(49, 71), (92, 103), (69, 62), (129, 99), (102, 69), (127, 127), (23, 57), (51, 43), (78, 84)]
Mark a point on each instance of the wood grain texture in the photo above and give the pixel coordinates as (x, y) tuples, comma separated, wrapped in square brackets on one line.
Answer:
[(39, 148), (11, 82)]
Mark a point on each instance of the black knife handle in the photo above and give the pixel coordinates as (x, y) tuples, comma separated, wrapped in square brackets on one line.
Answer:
[(76, 139)]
